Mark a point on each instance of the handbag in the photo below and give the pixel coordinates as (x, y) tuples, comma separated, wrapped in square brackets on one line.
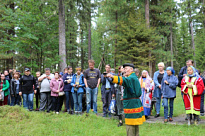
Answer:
[(2, 96), (60, 93)]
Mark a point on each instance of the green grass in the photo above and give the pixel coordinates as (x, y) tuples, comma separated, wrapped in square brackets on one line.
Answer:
[(18, 121), (178, 106)]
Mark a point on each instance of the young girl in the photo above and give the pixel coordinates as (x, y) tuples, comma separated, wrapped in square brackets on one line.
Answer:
[(169, 85), (4, 86), (192, 87), (147, 85), (14, 89)]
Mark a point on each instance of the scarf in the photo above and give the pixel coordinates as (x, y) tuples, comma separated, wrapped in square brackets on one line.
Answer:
[(195, 74), (148, 80), (171, 69)]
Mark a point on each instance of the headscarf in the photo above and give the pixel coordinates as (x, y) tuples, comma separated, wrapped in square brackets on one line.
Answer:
[(195, 74), (148, 80), (171, 69)]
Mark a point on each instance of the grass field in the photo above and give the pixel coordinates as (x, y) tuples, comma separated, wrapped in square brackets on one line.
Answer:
[(16, 121)]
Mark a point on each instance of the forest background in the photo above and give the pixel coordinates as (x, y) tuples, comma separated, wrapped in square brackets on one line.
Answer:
[(49, 33)]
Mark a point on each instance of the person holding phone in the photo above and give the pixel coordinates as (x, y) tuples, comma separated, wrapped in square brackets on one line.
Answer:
[(107, 90)]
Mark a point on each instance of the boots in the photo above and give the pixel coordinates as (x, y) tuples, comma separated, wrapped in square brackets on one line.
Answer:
[(196, 119), (189, 119)]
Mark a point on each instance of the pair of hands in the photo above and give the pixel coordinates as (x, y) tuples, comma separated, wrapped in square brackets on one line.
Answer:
[(76, 85), (69, 81), (20, 93), (47, 77), (190, 86), (109, 75)]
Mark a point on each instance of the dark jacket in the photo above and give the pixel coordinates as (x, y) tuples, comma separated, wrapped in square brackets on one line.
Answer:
[(27, 83), (67, 86), (103, 81), (13, 86)]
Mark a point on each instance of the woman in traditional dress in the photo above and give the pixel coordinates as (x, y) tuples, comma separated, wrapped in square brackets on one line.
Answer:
[(147, 85), (192, 86)]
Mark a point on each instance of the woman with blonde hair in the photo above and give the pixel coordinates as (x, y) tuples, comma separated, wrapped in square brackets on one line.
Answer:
[(158, 76)]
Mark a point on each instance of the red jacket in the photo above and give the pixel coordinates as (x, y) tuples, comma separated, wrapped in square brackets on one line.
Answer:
[(197, 90)]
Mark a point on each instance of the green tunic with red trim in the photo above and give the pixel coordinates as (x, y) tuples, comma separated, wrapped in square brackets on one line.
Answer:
[(133, 109)]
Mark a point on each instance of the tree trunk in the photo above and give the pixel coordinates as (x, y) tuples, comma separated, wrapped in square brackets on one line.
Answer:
[(147, 25), (204, 12), (62, 46), (192, 33), (171, 44), (115, 54), (192, 41), (147, 12), (82, 51), (89, 32)]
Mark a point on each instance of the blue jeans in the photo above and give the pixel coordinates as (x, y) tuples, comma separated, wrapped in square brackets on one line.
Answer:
[(28, 101), (69, 100), (91, 93), (171, 103), (15, 100), (77, 98), (158, 102)]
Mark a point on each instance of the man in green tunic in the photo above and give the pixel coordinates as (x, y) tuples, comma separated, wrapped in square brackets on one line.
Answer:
[(133, 109)]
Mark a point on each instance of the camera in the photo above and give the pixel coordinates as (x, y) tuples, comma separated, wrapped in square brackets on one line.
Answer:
[(104, 73)]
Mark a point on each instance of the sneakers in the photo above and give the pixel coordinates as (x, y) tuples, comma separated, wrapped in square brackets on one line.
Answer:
[(157, 115), (196, 122), (57, 113), (189, 122), (147, 117), (120, 124), (165, 120), (170, 119), (201, 114)]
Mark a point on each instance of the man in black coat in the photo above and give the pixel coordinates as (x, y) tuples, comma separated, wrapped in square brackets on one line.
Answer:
[(27, 81)]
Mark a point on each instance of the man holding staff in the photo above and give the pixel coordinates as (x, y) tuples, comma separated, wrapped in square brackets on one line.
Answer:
[(133, 109)]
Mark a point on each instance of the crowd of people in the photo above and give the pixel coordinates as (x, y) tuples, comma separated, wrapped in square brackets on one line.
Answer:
[(136, 96)]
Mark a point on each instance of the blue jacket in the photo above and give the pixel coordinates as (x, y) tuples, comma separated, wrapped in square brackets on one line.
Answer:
[(67, 86), (157, 90), (81, 82), (103, 81), (169, 91)]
